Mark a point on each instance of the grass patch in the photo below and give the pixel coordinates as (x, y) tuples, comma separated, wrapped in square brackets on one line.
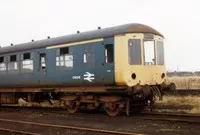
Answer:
[(179, 104), (187, 82)]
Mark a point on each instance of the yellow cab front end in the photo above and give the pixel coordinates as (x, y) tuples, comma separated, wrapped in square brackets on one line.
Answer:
[(139, 59)]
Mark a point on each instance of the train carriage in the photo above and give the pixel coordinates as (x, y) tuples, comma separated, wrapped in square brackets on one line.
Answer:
[(116, 67)]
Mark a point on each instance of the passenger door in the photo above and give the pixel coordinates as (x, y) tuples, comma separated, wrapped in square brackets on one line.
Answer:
[(108, 64), (42, 67)]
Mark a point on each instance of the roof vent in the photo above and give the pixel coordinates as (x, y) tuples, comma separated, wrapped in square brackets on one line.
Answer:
[(78, 31), (99, 28), (11, 44), (32, 40), (48, 37)]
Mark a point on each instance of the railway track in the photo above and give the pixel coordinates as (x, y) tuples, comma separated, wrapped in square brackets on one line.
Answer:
[(77, 122), (7, 130), (146, 115), (172, 117), (65, 127)]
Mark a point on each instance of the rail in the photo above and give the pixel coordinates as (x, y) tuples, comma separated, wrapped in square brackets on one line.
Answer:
[(172, 117), (61, 126), (17, 131)]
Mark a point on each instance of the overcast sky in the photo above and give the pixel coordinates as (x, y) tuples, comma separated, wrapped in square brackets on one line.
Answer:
[(178, 21)]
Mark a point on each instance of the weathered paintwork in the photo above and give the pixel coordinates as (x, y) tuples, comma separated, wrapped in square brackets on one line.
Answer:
[(103, 67), (101, 74), (53, 77), (146, 74)]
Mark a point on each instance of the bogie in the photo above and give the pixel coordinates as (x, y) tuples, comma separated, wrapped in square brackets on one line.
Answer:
[(113, 104)]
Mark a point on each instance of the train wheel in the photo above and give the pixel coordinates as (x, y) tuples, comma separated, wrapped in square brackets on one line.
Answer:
[(112, 109), (72, 107)]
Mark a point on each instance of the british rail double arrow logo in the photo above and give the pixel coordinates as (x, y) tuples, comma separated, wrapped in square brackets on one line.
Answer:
[(88, 76)]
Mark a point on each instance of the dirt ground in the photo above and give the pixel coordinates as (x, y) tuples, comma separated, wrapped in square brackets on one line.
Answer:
[(101, 121)]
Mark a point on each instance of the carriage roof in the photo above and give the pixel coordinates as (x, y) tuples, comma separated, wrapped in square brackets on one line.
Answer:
[(89, 35)]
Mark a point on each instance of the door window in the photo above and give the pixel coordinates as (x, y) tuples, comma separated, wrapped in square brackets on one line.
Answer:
[(42, 61), (88, 55), (109, 53)]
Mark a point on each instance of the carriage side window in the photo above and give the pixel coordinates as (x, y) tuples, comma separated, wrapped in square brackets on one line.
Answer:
[(2, 64), (13, 64), (64, 58), (109, 53), (27, 62), (88, 55), (134, 51)]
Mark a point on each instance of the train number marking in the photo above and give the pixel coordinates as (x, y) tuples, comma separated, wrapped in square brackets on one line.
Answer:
[(88, 76), (76, 77)]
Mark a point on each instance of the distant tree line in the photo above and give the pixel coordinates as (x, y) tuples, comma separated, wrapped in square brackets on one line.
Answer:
[(184, 73)]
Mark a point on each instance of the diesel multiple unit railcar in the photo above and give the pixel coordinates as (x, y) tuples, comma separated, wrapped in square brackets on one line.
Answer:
[(115, 68)]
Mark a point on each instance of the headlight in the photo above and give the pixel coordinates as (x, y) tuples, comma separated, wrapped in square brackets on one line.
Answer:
[(133, 76), (163, 75)]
